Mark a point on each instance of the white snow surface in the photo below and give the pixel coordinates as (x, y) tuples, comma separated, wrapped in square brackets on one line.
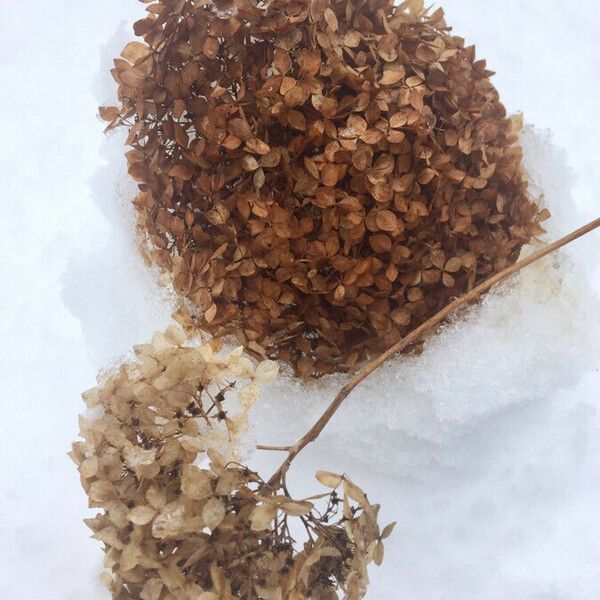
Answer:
[(485, 449)]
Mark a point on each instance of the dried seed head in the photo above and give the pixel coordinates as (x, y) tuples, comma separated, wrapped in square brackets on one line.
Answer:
[(180, 518), (279, 148)]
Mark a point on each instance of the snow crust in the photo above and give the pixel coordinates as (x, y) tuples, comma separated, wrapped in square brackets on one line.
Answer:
[(485, 449)]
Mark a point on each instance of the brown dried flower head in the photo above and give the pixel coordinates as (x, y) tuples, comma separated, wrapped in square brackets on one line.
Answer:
[(320, 176), (180, 518)]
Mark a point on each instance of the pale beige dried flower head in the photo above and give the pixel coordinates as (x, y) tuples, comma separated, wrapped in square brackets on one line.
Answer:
[(179, 517)]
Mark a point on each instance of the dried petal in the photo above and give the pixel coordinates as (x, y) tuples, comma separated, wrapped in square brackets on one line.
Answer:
[(213, 512), (262, 517), (328, 479)]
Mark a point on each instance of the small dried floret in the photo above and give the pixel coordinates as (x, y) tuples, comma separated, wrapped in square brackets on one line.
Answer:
[(179, 517)]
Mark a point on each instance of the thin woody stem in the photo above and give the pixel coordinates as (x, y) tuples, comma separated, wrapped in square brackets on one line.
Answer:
[(274, 448), (414, 336)]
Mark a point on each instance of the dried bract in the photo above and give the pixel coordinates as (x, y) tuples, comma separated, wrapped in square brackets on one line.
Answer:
[(319, 176), (180, 518)]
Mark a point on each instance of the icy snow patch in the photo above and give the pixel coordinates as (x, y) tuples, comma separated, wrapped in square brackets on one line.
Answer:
[(117, 298)]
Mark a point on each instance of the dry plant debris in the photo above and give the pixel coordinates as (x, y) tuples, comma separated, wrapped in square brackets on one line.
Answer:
[(180, 518), (319, 176)]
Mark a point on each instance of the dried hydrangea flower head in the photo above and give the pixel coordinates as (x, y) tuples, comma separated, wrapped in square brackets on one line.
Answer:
[(320, 176), (180, 518)]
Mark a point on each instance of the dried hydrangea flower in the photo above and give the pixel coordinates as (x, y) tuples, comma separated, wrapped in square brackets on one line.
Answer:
[(306, 167), (179, 517)]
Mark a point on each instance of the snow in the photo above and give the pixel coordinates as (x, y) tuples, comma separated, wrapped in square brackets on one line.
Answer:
[(485, 449)]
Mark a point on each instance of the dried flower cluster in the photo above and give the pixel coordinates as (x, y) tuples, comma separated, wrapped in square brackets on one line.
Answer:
[(180, 518), (320, 176)]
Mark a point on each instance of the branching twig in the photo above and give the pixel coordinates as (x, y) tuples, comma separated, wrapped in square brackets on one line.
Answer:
[(414, 336)]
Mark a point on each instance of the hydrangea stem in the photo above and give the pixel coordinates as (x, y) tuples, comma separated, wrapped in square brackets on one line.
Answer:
[(415, 336)]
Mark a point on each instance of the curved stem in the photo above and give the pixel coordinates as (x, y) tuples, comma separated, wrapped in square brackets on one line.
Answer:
[(414, 336)]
